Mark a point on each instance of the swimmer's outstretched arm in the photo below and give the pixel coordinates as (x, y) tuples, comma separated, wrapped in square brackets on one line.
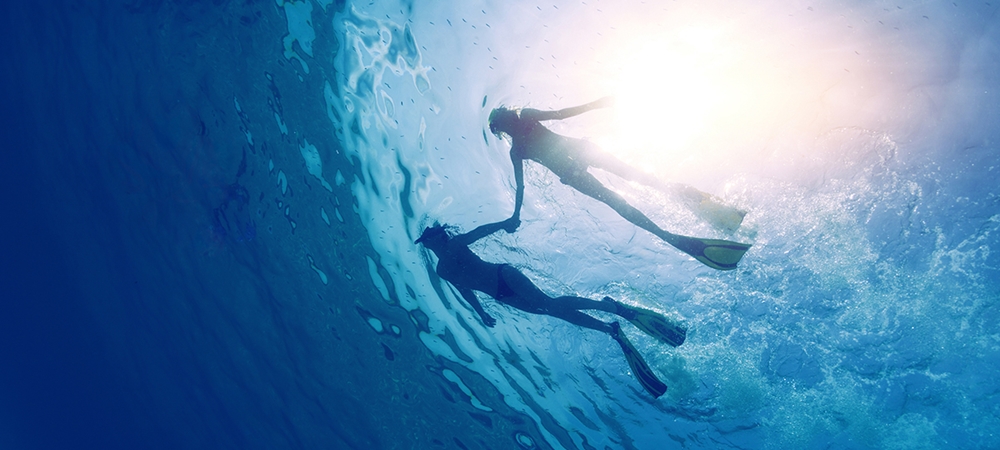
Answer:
[(519, 192), (473, 301), (535, 114), (483, 231)]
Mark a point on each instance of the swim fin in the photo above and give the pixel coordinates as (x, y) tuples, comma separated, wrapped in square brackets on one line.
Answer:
[(651, 323), (715, 253), (711, 209), (640, 369), (725, 218)]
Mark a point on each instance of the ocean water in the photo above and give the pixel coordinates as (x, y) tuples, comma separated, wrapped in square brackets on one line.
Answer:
[(210, 210)]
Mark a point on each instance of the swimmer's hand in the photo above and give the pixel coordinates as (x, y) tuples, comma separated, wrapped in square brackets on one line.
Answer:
[(511, 225), (488, 320)]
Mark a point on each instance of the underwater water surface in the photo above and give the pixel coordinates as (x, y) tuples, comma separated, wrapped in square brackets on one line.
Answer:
[(218, 203)]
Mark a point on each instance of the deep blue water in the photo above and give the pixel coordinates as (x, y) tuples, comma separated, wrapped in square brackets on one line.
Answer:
[(210, 210)]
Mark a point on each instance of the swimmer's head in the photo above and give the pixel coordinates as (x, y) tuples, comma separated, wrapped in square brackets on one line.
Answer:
[(502, 120), (435, 235)]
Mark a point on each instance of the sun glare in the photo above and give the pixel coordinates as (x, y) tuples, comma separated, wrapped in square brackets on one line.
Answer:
[(696, 98), (666, 91)]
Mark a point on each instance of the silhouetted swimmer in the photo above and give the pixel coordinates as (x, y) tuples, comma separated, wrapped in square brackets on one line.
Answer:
[(468, 273), (570, 159)]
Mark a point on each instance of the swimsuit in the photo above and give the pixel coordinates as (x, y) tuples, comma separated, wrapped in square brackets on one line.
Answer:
[(503, 290), (528, 299)]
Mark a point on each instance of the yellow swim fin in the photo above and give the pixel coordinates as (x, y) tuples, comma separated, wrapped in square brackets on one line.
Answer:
[(715, 253)]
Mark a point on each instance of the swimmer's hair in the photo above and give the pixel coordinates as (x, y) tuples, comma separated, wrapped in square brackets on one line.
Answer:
[(435, 231), (500, 113)]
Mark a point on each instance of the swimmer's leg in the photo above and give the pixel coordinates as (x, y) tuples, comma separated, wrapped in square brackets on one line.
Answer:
[(578, 318), (605, 161), (531, 299), (715, 253), (528, 297), (705, 205), (569, 302), (586, 184)]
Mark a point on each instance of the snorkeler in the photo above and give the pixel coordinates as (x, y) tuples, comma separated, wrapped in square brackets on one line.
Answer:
[(468, 272), (569, 158)]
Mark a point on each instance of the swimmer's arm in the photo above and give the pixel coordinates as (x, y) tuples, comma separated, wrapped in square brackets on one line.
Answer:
[(482, 231), (538, 115), (519, 192), (473, 301)]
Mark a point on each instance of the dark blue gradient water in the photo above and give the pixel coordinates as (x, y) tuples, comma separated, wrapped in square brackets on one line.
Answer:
[(210, 210)]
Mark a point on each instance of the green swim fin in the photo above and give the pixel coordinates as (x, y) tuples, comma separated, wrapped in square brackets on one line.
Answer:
[(715, 253), (651, 323), (640, 369), (711, 209), (725, 218)]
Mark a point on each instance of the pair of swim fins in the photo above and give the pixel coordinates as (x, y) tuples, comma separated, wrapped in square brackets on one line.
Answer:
[(653, 324), (715, 253)]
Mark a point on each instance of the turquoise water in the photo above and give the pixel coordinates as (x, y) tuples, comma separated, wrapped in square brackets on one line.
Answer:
[(230, 194)]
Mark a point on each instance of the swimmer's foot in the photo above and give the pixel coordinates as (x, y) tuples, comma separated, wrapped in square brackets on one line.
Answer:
[(618, 308)]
